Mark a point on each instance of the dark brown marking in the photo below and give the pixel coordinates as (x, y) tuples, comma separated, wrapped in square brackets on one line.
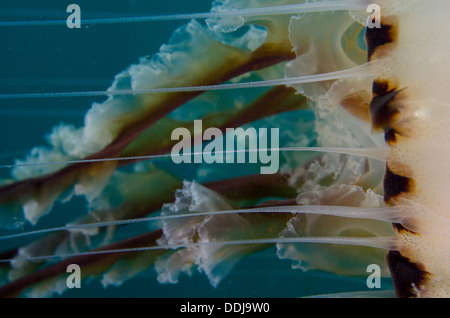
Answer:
[(376, 37), (399, 228), (395, 185), (390, 136), (382, 108), (380, 87), (406, 275)]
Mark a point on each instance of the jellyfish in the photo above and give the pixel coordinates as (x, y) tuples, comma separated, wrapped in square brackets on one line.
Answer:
[(339, 104)]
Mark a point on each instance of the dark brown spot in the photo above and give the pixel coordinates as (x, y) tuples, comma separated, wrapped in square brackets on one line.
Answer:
[(399, 228), (380, 87), (406, 275), (376, 37), (395, 185), (390, 136), (382, 108)]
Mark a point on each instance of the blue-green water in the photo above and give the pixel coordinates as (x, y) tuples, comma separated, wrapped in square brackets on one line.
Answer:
[(57, 59), (49, 58)]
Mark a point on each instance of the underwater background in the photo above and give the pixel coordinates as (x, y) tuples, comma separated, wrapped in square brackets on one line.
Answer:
[(57, 59)]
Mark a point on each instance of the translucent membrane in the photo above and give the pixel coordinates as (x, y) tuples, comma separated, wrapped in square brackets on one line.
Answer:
[(389, 214), (390, 243), (277, 10), (374, 153), (365, 70)]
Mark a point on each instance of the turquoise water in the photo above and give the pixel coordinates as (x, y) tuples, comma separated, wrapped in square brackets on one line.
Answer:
[(56, 59), (49, 58)]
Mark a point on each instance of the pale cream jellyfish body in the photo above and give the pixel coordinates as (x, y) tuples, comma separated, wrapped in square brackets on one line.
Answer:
[(411, 105)]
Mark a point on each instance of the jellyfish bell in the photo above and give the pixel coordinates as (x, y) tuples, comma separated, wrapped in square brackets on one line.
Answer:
[(404, 76), (325, 212)]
